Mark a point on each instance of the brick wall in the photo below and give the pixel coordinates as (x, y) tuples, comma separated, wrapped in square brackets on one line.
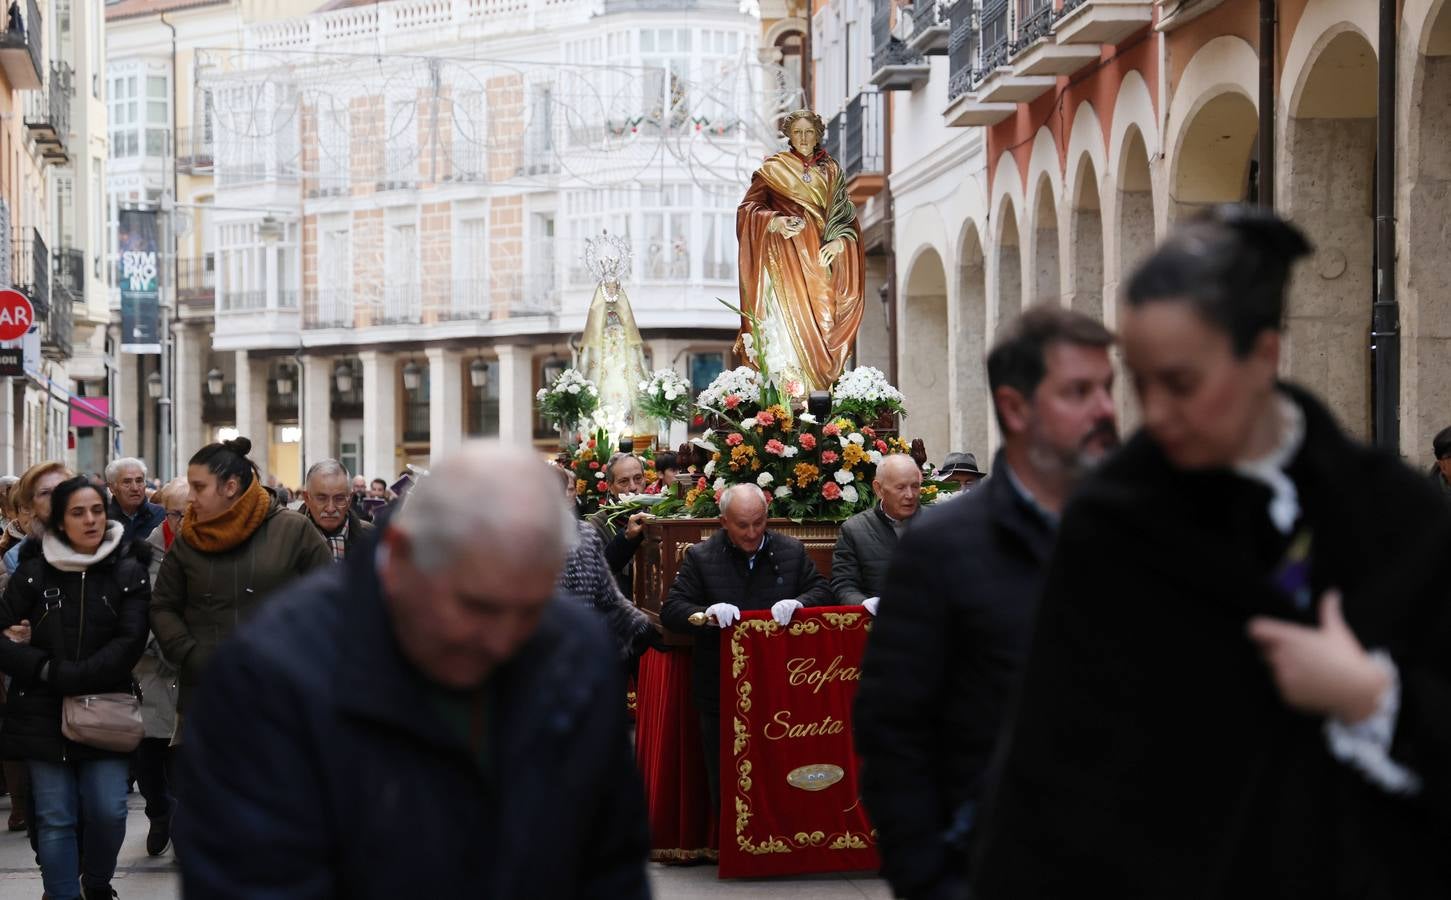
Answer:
[(435, 246), (368, 273), (506, 253)]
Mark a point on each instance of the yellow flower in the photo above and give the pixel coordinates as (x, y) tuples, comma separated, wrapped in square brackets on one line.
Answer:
[(851, 455), (586, 455), (806, 474), (580, 486)]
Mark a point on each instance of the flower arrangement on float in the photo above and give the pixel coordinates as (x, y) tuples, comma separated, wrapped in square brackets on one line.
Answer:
[(568, 402), (591, 481)]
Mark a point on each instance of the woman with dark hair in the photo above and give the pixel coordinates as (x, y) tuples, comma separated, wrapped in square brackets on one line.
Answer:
[(237, 544), (1240, 684), (74, 616)]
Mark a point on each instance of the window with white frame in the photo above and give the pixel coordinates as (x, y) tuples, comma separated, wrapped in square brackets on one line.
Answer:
[(125, 115), (242, 267), (665, 220), (402, 298), (718, 252), (591, 212), (158, 114), (469, 150), (334, 147), (471, 263), (665, 53)]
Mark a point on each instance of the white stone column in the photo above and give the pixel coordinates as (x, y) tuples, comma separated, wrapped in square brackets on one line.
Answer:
[(126, 406), (445, 402), (516, 394), (317, 411), (252, 408), (186, 394), (380, 414), (8, 455)]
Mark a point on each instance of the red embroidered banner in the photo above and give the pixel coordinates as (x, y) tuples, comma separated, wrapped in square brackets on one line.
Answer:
[(789, 797)]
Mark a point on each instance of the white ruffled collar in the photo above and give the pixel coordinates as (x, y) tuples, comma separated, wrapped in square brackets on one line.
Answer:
[(1269, 469)]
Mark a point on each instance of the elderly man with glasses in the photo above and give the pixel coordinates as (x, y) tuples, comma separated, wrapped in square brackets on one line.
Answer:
[(327, 501)]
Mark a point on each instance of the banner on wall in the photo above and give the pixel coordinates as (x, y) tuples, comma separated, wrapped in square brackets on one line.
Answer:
[(138, 270), (790, 799)]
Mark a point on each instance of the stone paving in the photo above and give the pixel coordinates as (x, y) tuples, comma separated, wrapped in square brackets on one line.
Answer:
[(138, 877)]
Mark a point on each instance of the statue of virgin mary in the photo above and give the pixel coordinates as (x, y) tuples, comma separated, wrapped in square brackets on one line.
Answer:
[(611, 352)]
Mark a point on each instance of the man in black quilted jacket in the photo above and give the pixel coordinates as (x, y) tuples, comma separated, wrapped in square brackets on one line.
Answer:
[(742, 567), (952, 631)]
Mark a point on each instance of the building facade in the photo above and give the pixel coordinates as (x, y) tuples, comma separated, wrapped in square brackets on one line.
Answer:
[(384, 209), (1040, 148), (52, 229)]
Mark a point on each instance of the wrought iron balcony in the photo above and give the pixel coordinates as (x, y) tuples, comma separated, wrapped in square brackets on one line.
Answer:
[(20, 51), (1101, 21), (70, 273), (930, 27), (196, 280), (57, 327), (1035, 22), (895, 67), (48, 114), (863, 143), (30, 268), (330, 307), (195, 154)]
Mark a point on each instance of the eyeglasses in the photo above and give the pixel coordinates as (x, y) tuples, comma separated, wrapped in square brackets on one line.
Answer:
[(176, 515)]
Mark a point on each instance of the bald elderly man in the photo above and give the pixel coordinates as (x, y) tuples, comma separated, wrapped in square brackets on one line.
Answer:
[(428, 720), (742, 567), (867, 540)]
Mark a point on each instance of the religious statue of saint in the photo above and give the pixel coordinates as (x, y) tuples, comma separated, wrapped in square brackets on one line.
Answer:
[(612, 355), (802, 267)]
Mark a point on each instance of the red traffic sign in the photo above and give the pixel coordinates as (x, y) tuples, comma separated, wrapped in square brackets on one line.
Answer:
[(16, 315)]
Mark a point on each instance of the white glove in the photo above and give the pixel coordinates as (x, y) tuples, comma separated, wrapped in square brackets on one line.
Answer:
[(783, 609), (724, 614), (871, 604)]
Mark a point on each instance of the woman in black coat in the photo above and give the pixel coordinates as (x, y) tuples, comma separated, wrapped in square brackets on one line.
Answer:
[(1240, 683), (74, 616)]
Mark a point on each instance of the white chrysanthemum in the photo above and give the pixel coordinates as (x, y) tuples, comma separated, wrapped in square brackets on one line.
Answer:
[(849, 494), (710, 469), (720, 484), (842, 476), (790, 452), (874, 456), (807, 418), (765, 479), (782, 491), (747, 424)]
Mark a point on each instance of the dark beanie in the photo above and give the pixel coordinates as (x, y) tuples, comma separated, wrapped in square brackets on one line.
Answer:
[(1441, 443)]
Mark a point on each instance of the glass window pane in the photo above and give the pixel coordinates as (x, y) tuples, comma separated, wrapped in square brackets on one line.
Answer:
[(156, 87), (156, 113), (155, 142)]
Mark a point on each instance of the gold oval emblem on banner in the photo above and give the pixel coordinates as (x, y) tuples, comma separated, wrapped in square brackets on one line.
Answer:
[(816, 777)]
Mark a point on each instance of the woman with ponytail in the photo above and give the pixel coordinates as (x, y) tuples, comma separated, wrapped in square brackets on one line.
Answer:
[(1240, 682), (237, 544)]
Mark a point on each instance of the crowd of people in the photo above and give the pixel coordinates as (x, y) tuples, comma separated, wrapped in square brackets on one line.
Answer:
[(1213, 661)]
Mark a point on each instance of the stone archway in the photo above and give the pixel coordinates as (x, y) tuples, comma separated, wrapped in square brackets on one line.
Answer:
[(923, 369), (1009, 268), (1086, 236), (1046, 278), (1135, 224), (973, 406), (1425, 233), (1215, 152), (1327, 188)]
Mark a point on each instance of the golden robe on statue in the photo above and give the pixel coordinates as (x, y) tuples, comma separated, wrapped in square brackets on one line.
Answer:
[(810, 313)]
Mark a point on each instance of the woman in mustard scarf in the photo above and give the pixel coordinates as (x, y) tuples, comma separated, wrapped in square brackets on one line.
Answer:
[(801, 261), (237, 545)]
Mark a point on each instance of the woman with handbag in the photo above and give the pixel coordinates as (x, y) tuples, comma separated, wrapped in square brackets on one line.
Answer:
[(74, 614)]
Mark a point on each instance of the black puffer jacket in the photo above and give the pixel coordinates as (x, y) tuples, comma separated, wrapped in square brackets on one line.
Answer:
[(716, 572), (91, 645)]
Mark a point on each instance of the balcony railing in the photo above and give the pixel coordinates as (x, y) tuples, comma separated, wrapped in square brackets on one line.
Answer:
[(70, 272), (30, 268), (471, 300), (863, 144), (402, 304), (330, 307), (962, 50), (20, 50), (48, 113), (220, 409), (55, 336), (195, 153), (1035, 22), (242, 301), (196, 279), (930, 25)]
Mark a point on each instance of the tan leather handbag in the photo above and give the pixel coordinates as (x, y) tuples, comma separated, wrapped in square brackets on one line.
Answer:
[(104, 721)]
